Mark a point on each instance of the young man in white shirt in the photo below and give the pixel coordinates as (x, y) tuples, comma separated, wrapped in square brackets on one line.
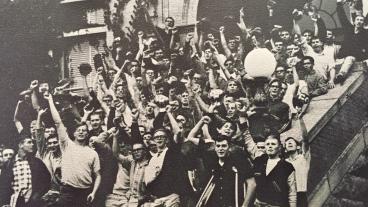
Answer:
[(298, 154), (80, 164)]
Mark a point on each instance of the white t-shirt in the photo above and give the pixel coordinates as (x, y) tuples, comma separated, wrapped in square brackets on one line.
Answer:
[(289, 94), (78, 165), (301, 164), (323, 62), (154, 166), (271, 163)]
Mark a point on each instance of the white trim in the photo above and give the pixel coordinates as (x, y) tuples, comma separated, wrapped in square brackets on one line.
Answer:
[(86, 31), (70, 1)]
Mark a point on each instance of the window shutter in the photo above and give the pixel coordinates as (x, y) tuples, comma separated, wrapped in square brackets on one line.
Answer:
[(83, 52), (95, 16)]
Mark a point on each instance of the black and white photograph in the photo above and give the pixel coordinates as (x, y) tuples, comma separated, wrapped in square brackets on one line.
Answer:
[(184, 103)]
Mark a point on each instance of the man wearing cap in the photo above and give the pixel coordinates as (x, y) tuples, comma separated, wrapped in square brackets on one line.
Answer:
[(24, 179)]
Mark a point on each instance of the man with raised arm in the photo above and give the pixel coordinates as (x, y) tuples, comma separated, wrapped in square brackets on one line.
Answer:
[(80, 164)]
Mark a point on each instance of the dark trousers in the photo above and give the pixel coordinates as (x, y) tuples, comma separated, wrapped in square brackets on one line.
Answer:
[(30, 203), (73, 197), (302, 200)]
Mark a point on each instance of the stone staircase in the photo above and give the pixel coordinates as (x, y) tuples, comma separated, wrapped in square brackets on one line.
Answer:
[(353, 189)]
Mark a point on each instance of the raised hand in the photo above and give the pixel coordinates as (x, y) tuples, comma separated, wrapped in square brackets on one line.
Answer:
[(47, 96), (174, 30), (206, 119), (34, 84), (189, 37), (242, 13), (135, 114), (140, 34), (88, 110), (161, 101), (222, 29), (168, 108), (42, 111)]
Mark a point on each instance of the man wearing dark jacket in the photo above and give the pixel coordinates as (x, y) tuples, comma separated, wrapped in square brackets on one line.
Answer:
[(275, 178), (355, 45), (231, 172), (165, 174), (24, 179)]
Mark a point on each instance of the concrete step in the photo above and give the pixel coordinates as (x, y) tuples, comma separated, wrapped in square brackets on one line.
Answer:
[(352, 188), (343, 202), (360, 168)]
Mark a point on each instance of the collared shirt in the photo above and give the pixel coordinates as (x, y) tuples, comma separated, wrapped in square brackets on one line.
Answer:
[(121, 186), (301, 164), (22, 182), (53, 164), (316, 84), (137, 185), (323, 62), (154, 166)]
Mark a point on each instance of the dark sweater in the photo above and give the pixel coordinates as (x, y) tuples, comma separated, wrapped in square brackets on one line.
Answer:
[(41, 180), (272, 188), (173, 176), (354, 44)]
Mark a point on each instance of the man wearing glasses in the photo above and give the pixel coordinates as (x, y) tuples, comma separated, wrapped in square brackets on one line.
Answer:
[(137, 161), (165, 175)]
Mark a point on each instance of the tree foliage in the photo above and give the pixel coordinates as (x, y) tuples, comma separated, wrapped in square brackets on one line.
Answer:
[(28, 29)]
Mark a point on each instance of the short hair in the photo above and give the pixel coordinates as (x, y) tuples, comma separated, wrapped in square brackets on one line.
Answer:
[(317, 37), (170, 18), (95, 113), (358, 15), (281, 65), (307, 58), (307, 31), (275, 80), (229, 59), (207, 46), (292, 138), (161, 129), (272, 136), (108, 96), (222, 138), (147, 132), (21, 139), (77, 125), (54, 136)]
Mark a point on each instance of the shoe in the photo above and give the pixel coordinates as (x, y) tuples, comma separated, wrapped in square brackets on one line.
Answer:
[(339, 78)]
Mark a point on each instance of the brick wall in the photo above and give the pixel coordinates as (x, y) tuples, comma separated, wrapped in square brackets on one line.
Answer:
[(336, 135)]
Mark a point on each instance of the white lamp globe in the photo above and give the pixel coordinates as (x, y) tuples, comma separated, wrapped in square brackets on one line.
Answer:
[(260, 62)]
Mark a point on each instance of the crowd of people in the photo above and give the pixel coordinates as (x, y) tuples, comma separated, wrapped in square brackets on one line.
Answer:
[(171, 122)]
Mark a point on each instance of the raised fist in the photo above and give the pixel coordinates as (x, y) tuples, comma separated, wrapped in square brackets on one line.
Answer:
[(174, 30), (34, 84), (206, 119), (189, 37), (135, 114), (222, 29), (161, 101)]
